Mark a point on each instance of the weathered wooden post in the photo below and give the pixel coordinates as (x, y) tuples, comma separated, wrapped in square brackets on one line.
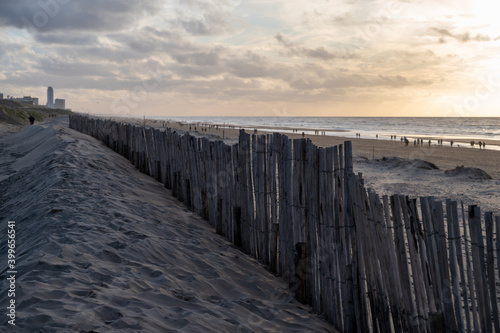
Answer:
[(237, 226), (218, 224), (300, 272), (490, 267), (468, 255), (273, 262), (479, 267)]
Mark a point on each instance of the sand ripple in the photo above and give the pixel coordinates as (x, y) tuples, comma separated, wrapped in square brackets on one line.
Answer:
[(104, 248)]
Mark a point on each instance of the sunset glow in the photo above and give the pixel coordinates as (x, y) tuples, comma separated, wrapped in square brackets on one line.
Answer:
[(238, 58)]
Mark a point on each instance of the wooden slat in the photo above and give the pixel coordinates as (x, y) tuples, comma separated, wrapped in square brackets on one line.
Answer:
[(452, 223), (490, 269), (470, 279), (479, 267)]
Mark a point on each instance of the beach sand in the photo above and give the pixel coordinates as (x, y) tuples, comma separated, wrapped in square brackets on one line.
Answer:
[(101, 247), (402, 171), (445, 157), (6, 129)]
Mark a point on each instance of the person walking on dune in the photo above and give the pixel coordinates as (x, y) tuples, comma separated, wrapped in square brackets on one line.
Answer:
[(32, 120)]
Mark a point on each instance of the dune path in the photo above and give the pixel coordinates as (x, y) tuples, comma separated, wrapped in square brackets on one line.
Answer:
[(101, 247)]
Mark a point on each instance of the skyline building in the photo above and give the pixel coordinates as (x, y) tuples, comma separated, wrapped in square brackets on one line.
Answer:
[(50, 97), (27, 99), (60, 103)]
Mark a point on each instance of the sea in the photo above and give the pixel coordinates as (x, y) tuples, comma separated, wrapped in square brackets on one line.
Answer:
[(448, 129)]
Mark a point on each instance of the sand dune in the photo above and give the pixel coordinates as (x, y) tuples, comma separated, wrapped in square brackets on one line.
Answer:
[(6, 129), (104, 248), (416, 178)]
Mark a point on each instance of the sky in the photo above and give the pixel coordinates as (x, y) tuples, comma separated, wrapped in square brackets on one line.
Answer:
[(255, 58)]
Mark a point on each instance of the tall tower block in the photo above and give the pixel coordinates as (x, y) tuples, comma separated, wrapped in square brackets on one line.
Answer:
[(50, 97)]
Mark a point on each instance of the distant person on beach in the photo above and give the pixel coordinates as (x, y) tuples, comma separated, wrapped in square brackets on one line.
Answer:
[(32, 120)]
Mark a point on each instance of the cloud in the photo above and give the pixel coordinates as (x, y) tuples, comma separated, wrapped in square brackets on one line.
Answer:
[(211, 24), (346, 19), (148, 40), (338, 81), (59, 38), (69, 68), (3, 50), (252, 65), (12, 51), (463, 38), (64, 15), (396, 81), (201, 18), (321, 53), (213, 50), (204, 58)]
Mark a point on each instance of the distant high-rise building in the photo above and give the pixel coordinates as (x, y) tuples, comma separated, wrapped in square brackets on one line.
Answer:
[(1, 96), (50, 97), (60, 104), (27, 99)]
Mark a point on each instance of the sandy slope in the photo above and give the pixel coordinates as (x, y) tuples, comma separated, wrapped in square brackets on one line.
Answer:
[(102, 247), (6, 129)]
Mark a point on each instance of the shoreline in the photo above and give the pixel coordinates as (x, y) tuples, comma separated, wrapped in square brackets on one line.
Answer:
[(443, 156), (463, 141)]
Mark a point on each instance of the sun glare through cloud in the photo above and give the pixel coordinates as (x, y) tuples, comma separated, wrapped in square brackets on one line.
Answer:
[(232, 57)]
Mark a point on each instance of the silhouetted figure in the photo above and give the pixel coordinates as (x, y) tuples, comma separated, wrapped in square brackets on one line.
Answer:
[(32, 120)]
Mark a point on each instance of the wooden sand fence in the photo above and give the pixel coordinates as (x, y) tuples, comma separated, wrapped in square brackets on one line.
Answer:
[(364, 262)]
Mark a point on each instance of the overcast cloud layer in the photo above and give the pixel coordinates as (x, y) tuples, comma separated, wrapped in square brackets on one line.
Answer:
[(231, 57)]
